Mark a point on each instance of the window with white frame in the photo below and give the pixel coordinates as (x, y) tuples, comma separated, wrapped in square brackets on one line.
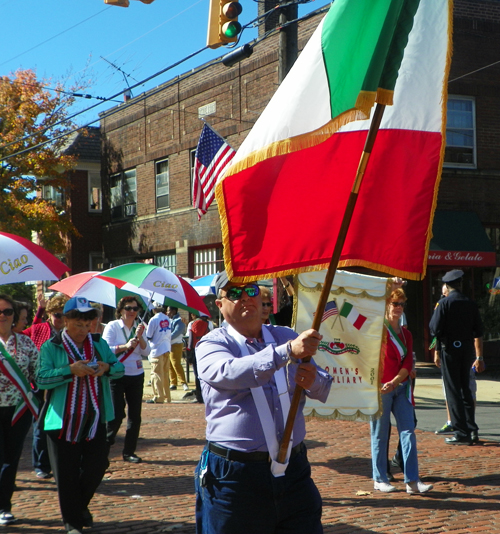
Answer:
[(53, 194), (169, 261), (460, 132), (162, 185), (123, 194), (95, 192), (208, 260)]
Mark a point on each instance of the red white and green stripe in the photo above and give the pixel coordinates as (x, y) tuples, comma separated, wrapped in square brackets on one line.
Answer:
[(400, 346), (10, 369), (301, 156), (349, 312)]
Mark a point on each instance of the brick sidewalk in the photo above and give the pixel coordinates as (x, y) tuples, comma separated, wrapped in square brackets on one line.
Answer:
[(157, 495)]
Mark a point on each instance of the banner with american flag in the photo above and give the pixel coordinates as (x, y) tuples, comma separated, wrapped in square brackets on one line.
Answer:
[(213, 155)]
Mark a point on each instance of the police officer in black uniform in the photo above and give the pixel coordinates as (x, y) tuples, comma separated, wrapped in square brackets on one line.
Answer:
[(457, 325)]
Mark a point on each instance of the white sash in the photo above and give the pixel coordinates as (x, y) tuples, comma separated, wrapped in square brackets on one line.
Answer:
[(259, 397)]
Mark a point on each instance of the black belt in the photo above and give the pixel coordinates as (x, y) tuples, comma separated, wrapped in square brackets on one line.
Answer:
[(239, 456)]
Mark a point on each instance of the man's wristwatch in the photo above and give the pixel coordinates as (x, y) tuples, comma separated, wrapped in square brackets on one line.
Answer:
[(480, 358), (291, 357)]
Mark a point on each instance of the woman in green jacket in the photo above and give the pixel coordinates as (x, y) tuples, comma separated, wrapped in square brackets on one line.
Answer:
[(76, 367)]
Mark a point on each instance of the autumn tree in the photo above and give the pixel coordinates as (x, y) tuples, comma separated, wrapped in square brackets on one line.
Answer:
[(33, 124)]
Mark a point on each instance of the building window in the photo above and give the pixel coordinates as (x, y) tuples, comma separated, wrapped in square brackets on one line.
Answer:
[(162, 185), (96, 262), (123, 194), (53, 194), (169, 261), (95, 192), (460, 132), (207, 260)]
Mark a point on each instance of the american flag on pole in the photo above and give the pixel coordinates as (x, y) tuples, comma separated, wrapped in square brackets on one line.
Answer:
[(330, 310), (212, 157)]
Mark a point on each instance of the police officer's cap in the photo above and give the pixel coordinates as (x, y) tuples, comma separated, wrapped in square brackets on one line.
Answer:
[(452, 276)]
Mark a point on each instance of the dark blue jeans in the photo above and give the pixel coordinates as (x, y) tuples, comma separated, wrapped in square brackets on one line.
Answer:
[(11, 447), (245, 498)]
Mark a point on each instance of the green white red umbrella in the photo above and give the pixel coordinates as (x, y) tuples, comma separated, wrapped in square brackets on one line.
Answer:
[(97, 288), (171, 289), (21, 260)]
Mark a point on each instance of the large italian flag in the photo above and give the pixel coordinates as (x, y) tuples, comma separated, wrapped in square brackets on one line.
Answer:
[(282, 200)]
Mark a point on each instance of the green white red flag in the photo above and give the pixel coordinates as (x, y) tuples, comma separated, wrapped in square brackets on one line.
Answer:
[(297, 165), (349, 312)]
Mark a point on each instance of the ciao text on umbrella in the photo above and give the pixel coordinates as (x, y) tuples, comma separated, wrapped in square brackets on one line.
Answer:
[(8, 266)]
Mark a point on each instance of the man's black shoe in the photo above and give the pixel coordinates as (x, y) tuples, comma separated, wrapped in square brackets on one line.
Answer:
[(88, 520), (474, 436), (396, 463), (458, 441), (132, 458)]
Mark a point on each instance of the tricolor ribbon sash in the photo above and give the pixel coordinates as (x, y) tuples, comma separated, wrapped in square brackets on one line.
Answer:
[(79, 391), (11, 370), (396, 340), (124, 355)]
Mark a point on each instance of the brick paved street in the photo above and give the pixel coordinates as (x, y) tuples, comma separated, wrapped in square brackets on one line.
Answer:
[(157, 495)]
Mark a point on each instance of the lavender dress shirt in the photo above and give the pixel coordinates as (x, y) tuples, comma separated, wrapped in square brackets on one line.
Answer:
[(226, 378)]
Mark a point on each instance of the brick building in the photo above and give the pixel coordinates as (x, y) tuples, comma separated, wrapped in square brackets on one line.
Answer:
[(148, 148), (82, 201)]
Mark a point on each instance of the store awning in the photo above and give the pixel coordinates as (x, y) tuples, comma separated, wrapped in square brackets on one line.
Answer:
[(459, 239)]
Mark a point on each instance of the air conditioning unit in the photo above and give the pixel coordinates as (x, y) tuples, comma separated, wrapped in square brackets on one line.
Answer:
[(130, 210)]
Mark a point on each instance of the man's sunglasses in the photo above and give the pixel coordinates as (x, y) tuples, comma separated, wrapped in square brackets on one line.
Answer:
[(57, 315), (132, 308), (235, 292), (267, 304), (398, 304), (8, 312)]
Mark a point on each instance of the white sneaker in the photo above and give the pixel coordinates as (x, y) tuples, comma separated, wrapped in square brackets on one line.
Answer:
[(418, 487), (384, 486), (6, 518), (185, 387)]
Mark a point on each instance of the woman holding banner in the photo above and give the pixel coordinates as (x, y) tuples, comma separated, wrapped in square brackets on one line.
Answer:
[(18, 359), (396, 398)]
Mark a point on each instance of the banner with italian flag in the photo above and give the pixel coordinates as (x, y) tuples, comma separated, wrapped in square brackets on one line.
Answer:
[(299, 160), (350, 354)]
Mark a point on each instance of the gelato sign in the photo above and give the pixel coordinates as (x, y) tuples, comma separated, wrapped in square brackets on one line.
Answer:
[(451, 257)]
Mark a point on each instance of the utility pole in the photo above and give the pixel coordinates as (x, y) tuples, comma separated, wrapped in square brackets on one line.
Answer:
[(288, 38)]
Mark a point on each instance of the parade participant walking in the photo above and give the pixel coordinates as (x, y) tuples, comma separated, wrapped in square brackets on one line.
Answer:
[(397, 366), (126, 338), (76, 367), (177, 329), (19, 359), (248, 373), (458, 328), (158, 334), (40, 332)]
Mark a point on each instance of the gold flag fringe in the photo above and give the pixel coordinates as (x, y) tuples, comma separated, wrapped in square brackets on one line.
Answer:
[(385, 97), (444, 102)]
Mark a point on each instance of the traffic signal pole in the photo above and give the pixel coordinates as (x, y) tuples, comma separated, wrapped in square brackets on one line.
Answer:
[(288, 50)]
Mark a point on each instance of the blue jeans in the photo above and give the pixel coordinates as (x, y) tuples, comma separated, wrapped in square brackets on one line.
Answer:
[(245, 498), (397, 403)]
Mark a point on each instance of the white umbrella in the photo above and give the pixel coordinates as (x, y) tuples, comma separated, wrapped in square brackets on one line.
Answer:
[(23, 261)]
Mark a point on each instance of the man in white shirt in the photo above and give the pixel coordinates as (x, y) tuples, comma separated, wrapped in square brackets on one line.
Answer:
[(158, 334)]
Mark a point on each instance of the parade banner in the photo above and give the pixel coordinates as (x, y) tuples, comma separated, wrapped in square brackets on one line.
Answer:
[(352, 330)]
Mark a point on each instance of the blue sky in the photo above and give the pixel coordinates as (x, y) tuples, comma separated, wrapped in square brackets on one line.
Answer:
[(67, 40)]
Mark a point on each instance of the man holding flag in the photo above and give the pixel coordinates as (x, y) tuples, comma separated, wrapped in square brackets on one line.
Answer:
[(248, 373)]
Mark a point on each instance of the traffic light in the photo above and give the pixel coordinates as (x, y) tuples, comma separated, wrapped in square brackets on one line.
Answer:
[(125, 3), (121, 3), (223, 25)]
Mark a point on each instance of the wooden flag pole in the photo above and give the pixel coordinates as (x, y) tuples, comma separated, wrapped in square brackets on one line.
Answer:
[(332, 269)]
